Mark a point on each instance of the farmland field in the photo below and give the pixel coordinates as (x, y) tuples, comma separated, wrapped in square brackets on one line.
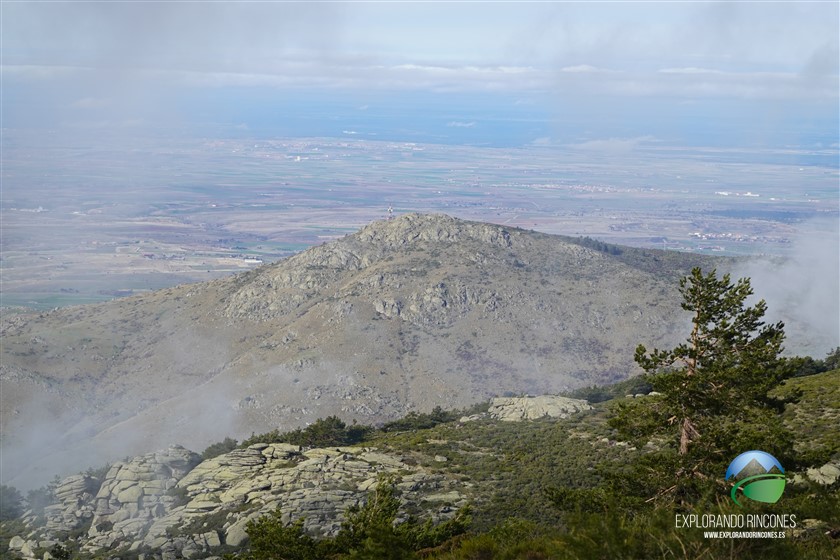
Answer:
[(83, 223)]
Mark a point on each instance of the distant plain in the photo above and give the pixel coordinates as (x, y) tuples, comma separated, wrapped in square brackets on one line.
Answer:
[(90, 220)]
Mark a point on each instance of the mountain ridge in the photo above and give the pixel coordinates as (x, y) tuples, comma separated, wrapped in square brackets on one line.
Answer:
[(405, 314)]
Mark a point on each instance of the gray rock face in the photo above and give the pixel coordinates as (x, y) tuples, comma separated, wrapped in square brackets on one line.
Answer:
[(135, 493), (826, 475), (515, 409), (74, 506), (317, 485), (180, 507), (309, 273)]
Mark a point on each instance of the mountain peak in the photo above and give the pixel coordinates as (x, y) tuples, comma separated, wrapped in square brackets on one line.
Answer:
[(405, 314), (416, 245), (432, 227)]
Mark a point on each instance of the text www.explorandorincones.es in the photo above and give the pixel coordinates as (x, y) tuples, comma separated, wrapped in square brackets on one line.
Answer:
[(744, 534)]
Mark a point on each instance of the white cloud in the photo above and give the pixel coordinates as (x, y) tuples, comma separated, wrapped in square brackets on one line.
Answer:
[(353, 73), (583, 68), (804, 289), (689, 70), (91, 103), (461, 124), (30, 72), (543, 141), (140, 56), (613, 145)]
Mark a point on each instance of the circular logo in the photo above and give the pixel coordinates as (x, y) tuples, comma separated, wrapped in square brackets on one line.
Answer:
[(758, 475)]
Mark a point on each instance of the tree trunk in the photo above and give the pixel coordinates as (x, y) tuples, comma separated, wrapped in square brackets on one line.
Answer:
[(688, 432)]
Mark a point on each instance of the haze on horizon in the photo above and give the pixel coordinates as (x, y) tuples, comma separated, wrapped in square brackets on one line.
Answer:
[(719, 81), (723, 81), (602, 76)]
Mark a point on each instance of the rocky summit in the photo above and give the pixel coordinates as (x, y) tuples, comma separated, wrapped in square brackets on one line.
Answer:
[(532, 408), (406, 314)]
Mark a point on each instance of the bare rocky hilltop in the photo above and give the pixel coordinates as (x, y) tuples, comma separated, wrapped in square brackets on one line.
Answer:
[(405, 314)]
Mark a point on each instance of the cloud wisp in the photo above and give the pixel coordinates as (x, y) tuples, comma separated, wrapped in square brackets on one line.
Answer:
[(803, 290), (637, 51), (614, 74)]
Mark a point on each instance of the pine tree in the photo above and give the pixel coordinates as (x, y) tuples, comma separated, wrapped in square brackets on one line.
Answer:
[(10, 503), (713, 401)]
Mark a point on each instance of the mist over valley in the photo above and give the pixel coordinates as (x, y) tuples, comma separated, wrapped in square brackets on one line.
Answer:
[(410, 274)]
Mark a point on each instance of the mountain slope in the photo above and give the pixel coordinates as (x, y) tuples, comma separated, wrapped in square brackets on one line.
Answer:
[(404, 314), (174, 503)]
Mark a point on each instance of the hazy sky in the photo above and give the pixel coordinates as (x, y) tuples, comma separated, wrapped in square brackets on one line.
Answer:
[(97, 64)]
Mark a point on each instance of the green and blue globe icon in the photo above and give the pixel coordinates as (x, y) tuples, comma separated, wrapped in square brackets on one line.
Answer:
[(758, 475)]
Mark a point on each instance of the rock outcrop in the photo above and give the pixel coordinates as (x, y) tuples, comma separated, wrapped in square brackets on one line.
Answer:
[(513, 409), (826, 475), (170, 504), (137, 492), (75, 503)]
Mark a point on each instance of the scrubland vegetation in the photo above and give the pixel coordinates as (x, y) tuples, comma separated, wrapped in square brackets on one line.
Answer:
[(606, 483)]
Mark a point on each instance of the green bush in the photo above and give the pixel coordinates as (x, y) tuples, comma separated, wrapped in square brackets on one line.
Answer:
[(368, 532), (11, 503), (324, 432), (219, 448), (418, 421), (98, 473), (39, 498), (271, 539), (181, 495), (600, 393), (598, 245)]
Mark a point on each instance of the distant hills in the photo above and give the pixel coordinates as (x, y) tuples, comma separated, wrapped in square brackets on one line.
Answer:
[(406, 314)]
